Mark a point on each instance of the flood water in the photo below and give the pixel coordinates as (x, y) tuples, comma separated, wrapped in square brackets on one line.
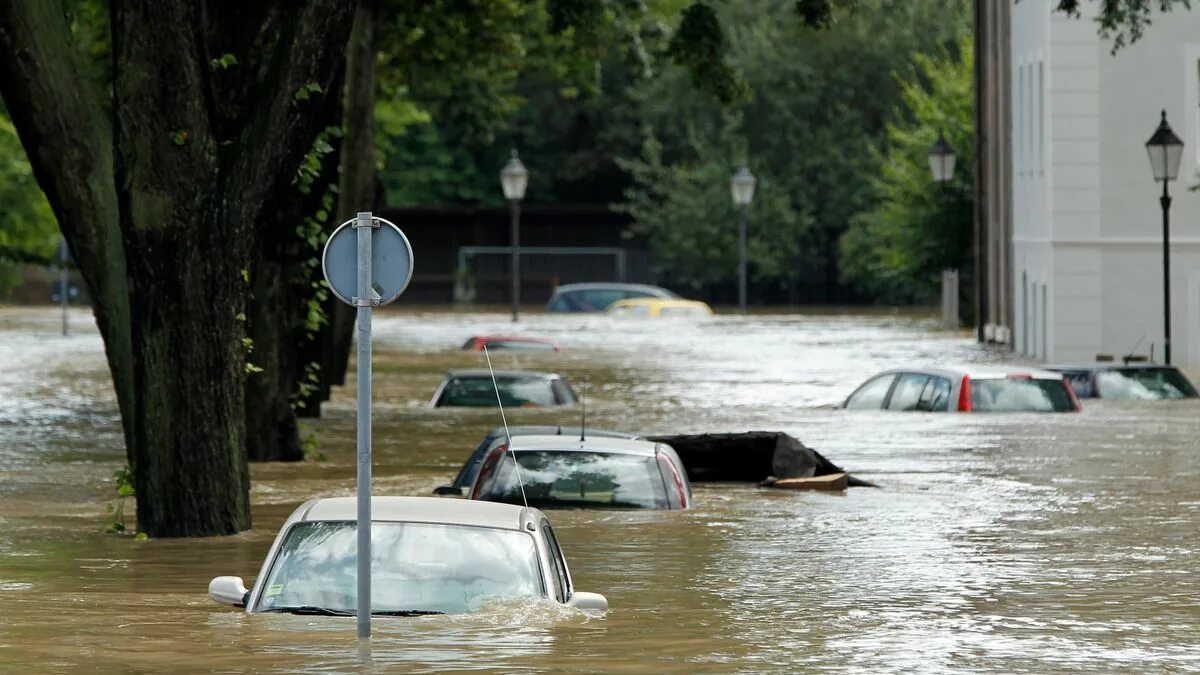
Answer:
[(1002, 543)]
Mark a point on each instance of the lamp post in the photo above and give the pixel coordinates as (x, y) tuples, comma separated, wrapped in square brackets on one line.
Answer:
[(513, 179), (741, 185), (1165, 150), (941, 165)]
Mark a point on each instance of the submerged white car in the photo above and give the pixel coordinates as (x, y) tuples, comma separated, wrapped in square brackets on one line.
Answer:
[(428, 556)]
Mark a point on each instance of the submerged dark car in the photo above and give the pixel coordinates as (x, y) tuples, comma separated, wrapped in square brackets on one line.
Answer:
[(596, 297), (1127, 381), (596, 473), (517, 389)]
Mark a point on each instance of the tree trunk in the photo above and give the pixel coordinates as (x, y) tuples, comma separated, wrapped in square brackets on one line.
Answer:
[(213, 107), (271, 430), (356, 191)]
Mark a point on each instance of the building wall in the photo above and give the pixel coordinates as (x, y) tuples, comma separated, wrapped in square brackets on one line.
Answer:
[(993, 169), (1087, 228)]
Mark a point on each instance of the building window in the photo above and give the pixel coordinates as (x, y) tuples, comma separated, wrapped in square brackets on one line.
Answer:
[(1019, 141), (1041, 118)]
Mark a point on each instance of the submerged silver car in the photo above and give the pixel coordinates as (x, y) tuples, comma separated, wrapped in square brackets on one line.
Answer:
[(597, 473), (428, 556), (969, 388)]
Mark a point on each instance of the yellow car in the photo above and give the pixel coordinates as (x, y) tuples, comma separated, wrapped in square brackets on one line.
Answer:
[(658, 307)]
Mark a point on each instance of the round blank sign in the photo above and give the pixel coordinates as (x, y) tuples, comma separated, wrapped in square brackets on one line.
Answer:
[(391, 261)]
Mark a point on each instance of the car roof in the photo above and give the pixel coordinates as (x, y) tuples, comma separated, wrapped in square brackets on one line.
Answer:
[(616, 286), (419, 510), (485, 373), (661, 302), (1109, 366), (980, 371), (557, 431), (514, 338), (598, 444)]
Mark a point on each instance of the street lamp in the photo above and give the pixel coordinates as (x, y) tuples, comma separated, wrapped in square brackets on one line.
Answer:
[(513, 179), (1165, 150), (941, 160), (941, 165), (741, 185)]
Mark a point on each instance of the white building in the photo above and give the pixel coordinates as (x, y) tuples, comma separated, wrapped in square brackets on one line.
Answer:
[(1086, 265)]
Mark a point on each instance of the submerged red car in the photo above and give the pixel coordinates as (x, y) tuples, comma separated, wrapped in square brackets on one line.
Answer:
[(514, 342)]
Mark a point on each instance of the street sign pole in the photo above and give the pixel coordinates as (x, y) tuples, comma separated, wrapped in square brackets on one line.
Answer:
[(370, 269), (62, 282), (365, 226)]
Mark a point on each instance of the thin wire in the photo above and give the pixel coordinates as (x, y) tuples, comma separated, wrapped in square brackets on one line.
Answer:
[(496, 388)]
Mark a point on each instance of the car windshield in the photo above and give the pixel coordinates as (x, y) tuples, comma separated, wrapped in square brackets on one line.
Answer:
[(1144, 383), (566, 479), (1020, 394), (514, 391), (414, 566)]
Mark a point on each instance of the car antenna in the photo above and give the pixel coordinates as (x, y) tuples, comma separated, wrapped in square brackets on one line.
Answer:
[(511, 451), (1129, 357)]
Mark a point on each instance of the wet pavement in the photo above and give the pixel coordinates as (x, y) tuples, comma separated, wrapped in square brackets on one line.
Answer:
[(998, 543)]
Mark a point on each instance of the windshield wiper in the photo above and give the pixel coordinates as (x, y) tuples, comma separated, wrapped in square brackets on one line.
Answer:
[(311, 610)]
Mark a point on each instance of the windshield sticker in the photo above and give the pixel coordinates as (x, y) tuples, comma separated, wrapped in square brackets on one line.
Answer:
[(274, 590)]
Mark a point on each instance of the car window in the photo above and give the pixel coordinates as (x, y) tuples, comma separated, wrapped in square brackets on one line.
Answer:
[(558, 566), (1020, 394), (1081, 382), (907, 393), (562, 392), (414, 566), (1144, 383), (870, 395), (935, 397), (514, 391), (575, 479)]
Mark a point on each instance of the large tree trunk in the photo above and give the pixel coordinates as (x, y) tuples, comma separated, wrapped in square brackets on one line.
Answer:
[(271, 430), (213, 107), (356, 191)]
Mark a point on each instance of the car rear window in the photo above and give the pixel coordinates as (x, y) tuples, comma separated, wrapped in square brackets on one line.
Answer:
[(576, 479), (514, 391), (1020, 394), (1144, 383)]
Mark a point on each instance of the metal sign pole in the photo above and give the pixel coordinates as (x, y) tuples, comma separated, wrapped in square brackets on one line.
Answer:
[(366, 270), (62, 282), (364, 223)]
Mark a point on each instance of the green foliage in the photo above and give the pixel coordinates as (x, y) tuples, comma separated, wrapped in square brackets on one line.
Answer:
[(898, 249), (123, 484), (311, 445), (225, 62), (306, 91), (28, 230), (699, 46), (819, 105), (1123, 21)]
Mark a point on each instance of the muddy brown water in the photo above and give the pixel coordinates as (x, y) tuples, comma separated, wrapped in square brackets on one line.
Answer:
[(1043, 543)]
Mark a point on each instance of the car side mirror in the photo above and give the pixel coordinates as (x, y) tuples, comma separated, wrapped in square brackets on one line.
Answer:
[(448, 490), (228, 591), (588, 601)]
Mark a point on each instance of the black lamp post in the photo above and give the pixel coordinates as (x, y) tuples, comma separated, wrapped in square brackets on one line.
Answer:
[(941, 165), (1165, 150), (513, 179), (941, 160), (742, 187)]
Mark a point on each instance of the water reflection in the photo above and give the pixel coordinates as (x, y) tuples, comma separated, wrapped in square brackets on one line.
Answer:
[(998, 542)]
